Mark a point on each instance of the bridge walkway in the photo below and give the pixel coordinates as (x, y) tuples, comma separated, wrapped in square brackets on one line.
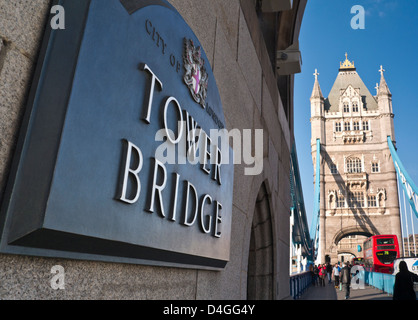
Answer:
[(329, 292)]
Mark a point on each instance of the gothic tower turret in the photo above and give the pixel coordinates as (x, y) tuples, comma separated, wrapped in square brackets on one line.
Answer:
[(384, 100), (317, 111), (359, 195)]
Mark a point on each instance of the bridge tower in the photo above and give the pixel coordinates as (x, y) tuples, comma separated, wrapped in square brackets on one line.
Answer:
[(359, 194)]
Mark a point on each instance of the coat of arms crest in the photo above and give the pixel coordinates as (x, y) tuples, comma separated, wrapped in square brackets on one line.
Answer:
[(195, 76)]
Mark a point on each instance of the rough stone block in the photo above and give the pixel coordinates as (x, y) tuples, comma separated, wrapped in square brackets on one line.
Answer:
[(274, 164), (237, 102), (227, 13), (22, 23), (229, 284), (199, 15), (29, 278), (14, 78), (249, 62)]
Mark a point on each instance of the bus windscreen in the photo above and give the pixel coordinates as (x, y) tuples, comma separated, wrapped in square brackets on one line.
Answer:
[(386, 257), (385, 241)]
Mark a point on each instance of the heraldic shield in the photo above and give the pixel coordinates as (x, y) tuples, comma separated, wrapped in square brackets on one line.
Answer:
[(195, 76)]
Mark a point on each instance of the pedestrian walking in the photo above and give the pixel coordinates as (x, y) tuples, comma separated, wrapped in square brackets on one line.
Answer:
[(336, 274), (345, 277), (329, 272), (311, 271), (322, 274), (404, 283), (316, 274)]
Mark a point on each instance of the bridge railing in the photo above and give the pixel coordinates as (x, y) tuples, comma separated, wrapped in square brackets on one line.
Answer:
[(381, 281), (299, 283)]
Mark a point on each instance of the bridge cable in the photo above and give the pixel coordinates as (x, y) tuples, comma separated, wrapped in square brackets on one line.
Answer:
[(408, 187), (408, 184), (400, 210), (316, 211)]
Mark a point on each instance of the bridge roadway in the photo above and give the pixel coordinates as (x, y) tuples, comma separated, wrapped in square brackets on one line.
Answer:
[(328, 292)]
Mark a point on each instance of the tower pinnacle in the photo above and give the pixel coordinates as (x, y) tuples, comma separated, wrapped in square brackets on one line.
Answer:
[(381, 70), (316, 74), (316, 92), (383, 88)]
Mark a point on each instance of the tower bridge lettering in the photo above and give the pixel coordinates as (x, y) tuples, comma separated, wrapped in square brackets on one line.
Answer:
[(195, 136)]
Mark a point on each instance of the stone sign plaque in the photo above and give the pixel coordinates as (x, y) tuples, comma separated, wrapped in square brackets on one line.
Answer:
[(117, 159)]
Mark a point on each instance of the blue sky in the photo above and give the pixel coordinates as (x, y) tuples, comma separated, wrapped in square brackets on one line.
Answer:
[(390, 38)]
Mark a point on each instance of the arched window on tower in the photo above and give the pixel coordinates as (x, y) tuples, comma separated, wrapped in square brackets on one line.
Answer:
[(356, 199), (346, 107), (371, 201), (355, 106), (338, 127), (365, 125), (340, 201), (356, 125), (353, 165), (347, 126)]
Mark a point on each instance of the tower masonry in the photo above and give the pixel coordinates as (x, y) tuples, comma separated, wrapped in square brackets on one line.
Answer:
[(359, 195)]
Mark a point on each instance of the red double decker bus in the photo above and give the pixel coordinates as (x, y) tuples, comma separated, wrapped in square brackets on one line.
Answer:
[(380, 252)]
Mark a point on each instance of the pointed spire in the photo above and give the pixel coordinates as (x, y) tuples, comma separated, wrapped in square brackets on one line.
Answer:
[(316, 74), (316, 92), (381, 70), (383, 87)]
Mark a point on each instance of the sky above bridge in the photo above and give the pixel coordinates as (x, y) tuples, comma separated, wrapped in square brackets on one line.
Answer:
[(389, 37)]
